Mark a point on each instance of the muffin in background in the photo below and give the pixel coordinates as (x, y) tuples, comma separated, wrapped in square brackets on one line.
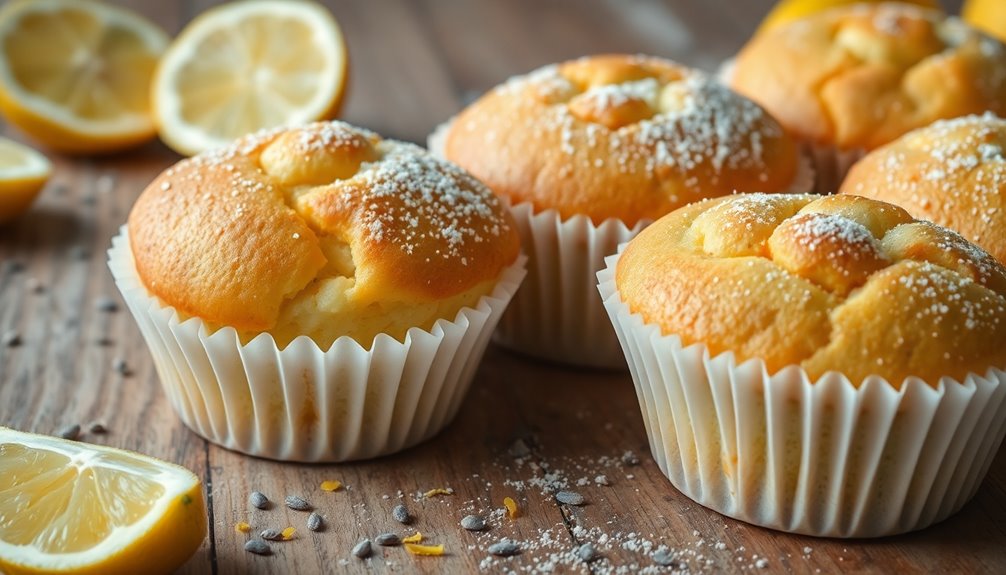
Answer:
[(317, 293), (827, 366), (849, 80), (590, 151), (952, 173)]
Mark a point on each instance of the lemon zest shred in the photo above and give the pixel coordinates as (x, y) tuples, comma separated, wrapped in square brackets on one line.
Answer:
[(427, 550), (242, 527), (331, 485), (413, 538), (511, 507), (288, 533), (438, 491)]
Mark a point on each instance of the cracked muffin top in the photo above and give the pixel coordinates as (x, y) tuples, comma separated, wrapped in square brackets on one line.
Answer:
[(860, 76), (322, 230), (626, 137), (952, 172), (835, 283)]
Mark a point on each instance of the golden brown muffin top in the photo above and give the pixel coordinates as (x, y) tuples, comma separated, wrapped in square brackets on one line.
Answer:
[(229, 235), (863, 75), (952, 173), (626, 137), (836, 283)]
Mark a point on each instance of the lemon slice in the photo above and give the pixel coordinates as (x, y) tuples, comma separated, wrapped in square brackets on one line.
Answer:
[(788, 11), (23, 173), (75, 74), (69, 507), (246, 66), (986, 15)]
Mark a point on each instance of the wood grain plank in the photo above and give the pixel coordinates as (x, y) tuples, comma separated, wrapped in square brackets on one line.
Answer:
[(414, 63)]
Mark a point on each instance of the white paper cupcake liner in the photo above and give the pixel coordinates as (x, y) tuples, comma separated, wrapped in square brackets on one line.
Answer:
[(821, 458), (303, 403), (557, 315)]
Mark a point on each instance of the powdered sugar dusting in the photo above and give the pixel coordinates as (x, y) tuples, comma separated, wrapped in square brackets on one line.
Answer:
[(412, 198), (813, 230), (959, 161)]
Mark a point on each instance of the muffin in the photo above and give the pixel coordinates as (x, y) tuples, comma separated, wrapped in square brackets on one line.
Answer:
[(849, 80), (952, 173), (827, 366), (590, 151), (317, 293)]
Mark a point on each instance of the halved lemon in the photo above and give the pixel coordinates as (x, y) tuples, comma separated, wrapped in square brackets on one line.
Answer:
[(246, 66), (787, 11), (23, 173), (75, 74), (69, 507)]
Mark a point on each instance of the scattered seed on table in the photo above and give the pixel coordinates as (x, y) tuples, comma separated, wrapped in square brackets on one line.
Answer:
[(10, 339), (569, 498), (315, 522), (258, 547), (97, 428), (388, 539), (602, 480), (70, 432), (258, 501), (401, 514), (362, 549), (586, 552), (297, 503), (120, 366), (106, 304), (664, 558), (505, 548), (271, 535), (473, 523)]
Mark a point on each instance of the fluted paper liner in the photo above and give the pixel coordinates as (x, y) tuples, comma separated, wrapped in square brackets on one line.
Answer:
[(821, 458), (556, 315), (303, 403)]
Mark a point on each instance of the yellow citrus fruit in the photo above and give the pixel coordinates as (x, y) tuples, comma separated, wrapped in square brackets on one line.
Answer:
[(70, 507), (246, 66), (75, 74), (23, 173), (986, 15), (787, 11)]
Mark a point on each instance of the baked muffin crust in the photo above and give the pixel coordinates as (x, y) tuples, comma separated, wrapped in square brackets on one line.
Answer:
[(323, 230), (626, 137), (859, 77), (952, 173), (836, 283)]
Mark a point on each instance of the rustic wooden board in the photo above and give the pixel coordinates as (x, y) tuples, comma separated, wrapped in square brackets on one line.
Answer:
[(414, 64)]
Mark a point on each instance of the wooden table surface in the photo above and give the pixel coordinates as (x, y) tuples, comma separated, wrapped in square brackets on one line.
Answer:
[(414, 63)]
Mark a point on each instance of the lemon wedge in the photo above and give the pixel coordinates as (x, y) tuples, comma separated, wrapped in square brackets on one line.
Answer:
[(788, 11), (246, 66), (986, 15), (69, 507), (75, 75), (23, 173)]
